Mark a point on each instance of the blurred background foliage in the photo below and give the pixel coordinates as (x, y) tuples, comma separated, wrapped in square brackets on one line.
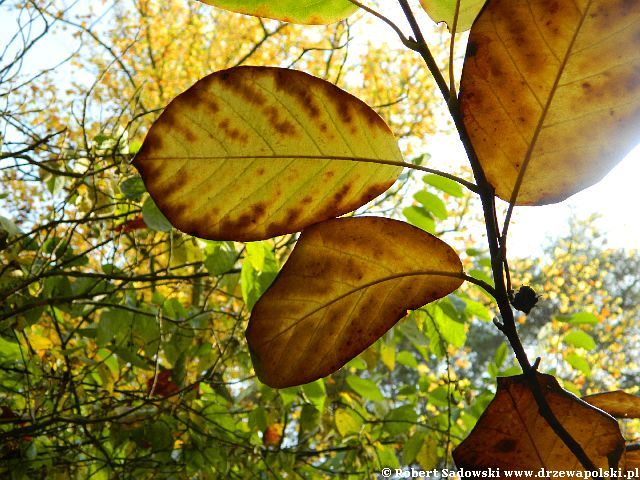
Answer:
[(122, 352)]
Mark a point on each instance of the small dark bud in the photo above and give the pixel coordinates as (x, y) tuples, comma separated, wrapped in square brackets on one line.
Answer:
[(525, 299)]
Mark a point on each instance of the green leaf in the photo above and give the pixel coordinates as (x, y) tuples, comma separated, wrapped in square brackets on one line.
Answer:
[(439, 397), (444, 11), (288, 395), (400, 420), (132, 358), (481, 275), (386, 456), (113, 325), (133, 188), (580, 318), (159, 435), (347, 422), (432, 203), (310, 418), (412, 447), (258, 419), (315, 393), (407, 359), (357, 363), (500, 355), (221, 257), (55, 184), (580, 339), (477, 309), (420, 217), (256, 252), (31, 452), (134, 146), (154, 218), (254, 283), (444, 184), (579, 363), (146, 333), (9, 350), (365, 388), (447, 328), (310, 12)]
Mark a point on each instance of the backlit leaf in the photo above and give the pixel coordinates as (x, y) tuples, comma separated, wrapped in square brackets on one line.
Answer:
[(579, 339), (309, 12), (420, 217), (579, 318), (550, 94), (511, 433), (444, 184), (315, 392), (345, 284), (153, 217), (617, 404), (579, 363), (432, 203), (444, 11), (365, 388), (254, 152)]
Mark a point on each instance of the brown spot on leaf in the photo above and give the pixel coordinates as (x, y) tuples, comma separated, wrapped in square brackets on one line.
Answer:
[(259, 210), (341, 193), (282, 126), (472, 49), (505, 445), (235, 81), (296, 85)]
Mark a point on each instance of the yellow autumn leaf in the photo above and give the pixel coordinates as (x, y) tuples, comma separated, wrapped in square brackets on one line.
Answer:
[(550, 94), (254, 152), (345, 284)]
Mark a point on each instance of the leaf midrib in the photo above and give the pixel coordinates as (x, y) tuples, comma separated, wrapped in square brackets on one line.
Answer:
[(545, 109), (294, 324)]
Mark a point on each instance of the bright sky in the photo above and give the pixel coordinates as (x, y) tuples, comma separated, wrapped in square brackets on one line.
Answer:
[(615, 197)]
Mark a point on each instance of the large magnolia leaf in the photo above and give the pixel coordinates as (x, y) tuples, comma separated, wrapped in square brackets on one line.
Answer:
[(254, 152), (550, 94), (617, 404), (511, 433), (309, 12), (345, 284), (445, 11)]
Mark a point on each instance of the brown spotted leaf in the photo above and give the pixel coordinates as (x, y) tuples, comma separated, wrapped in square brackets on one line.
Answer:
[(346, 283), (618, 404), (254, 152), (511, 434), (550, 94), (309, 12)]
